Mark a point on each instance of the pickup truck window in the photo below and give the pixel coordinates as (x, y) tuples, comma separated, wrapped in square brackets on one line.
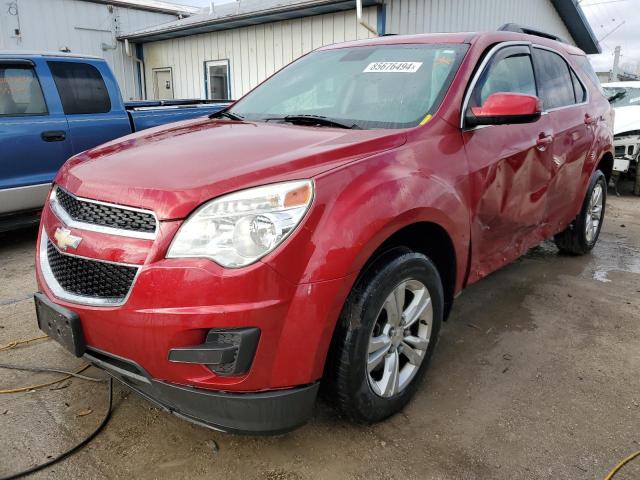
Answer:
[(81, 88), (20, 92), (386, 86)]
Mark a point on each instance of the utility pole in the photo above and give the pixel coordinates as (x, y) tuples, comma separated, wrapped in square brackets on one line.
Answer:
[(615, 71)]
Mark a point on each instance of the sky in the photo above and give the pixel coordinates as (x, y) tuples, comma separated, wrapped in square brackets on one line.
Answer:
[(622, 15), (603, 15)]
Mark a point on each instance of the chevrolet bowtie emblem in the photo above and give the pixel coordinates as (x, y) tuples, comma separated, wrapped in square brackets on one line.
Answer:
[(64, 239)]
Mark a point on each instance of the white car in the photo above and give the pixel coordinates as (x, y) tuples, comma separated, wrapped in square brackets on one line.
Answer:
[(625, 98)]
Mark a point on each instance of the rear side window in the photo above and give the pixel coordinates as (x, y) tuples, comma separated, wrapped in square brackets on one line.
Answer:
[(81, 88), (587, 69), (20, 91), (578, 88), (554, 78), (510, 71)]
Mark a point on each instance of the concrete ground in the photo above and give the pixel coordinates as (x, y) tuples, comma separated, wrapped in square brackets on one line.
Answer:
[(537, 375)]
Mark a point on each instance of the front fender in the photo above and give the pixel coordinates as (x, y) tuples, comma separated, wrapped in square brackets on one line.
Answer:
[(359, 206)]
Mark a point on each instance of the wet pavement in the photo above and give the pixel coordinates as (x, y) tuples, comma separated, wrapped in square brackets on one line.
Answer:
[(536, 375)]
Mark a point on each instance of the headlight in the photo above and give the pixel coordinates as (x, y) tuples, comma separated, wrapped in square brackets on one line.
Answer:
[(242, 227)]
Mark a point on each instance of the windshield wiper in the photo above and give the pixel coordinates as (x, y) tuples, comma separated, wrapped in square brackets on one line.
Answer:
[(617, 96), (314, 120), (226, 114)]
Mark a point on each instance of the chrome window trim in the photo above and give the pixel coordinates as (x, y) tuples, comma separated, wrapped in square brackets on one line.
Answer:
[(62, 294), (64, 217), (491, 54)]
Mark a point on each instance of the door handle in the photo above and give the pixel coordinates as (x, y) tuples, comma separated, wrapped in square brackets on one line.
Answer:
[(543, 142), (53, 136), (589, 120)]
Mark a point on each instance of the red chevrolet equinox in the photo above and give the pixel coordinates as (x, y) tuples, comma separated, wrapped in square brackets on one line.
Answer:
[(320, 227)]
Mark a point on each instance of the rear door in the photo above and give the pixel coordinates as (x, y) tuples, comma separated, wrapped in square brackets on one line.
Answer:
[(565, 101), (91, 101), (34, 137), (509, 166)]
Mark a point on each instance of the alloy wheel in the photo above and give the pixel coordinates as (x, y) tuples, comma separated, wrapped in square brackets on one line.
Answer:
[(399, 339), (594, 213)]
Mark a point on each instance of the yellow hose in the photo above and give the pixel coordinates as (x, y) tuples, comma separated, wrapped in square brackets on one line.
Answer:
[(41, 385), (621, 464), (14, 344)]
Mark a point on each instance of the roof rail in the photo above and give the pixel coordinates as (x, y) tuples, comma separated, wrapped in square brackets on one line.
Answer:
[(514, 27)]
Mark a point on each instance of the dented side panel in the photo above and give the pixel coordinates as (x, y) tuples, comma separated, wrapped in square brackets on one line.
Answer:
[(509, 178)]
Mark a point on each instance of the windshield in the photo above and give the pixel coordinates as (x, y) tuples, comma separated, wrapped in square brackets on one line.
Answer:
[(623, 96), (387, 86)]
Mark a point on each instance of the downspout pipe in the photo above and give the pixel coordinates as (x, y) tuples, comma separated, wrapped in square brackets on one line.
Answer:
[(143, 83), (362, 21)]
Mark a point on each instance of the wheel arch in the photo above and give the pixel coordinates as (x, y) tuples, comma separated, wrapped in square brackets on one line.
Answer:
[(605, 165), (432, 240)]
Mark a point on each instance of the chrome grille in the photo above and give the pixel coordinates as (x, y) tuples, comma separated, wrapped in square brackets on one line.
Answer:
[(85, 280), (99, 216)]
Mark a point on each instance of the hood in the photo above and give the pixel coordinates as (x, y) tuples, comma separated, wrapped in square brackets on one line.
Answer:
[(172, 170), (627, 119)]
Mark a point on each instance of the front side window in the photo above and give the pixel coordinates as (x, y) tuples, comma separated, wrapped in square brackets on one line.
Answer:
[(81, 88), (509, 71), (555, 79), (387, 86), (20, 91)]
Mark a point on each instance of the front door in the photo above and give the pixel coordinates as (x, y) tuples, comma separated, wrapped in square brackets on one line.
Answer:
[(163, 84), (34, 136), (509, 167)]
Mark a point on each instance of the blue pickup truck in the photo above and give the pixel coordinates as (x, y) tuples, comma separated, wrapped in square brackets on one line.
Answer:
[(53, 106)]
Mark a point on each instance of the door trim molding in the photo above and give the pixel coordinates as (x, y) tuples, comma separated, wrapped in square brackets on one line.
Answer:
[(18, 199)]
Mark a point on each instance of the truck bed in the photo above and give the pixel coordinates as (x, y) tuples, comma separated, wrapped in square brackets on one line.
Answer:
[(146, 114)]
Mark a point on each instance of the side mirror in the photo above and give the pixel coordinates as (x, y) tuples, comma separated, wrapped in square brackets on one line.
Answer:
[(502, 108)]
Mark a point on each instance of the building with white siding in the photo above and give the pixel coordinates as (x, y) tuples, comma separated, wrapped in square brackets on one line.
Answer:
[(226, 52), (88, 27)]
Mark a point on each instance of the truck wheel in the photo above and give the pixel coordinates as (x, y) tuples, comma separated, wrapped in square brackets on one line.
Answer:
[(385, 337), (582, 234)]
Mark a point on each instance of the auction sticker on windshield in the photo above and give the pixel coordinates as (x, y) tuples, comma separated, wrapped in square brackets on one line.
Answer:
[(387, 67)]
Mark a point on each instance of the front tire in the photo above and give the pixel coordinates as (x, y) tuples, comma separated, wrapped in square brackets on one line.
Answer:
[(582, 234), (385, 337)]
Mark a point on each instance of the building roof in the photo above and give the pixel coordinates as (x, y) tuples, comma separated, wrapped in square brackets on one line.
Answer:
[(573, 17), (251, 12), (152, 6), (241, 14)]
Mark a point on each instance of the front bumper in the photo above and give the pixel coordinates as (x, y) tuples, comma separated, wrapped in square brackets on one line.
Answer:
[(175, 303), (259, 413)]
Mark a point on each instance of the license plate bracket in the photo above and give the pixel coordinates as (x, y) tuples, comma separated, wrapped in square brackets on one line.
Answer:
[(61, 324)]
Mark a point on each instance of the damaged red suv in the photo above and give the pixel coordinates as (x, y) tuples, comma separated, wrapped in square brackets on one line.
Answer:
[(320, 228)]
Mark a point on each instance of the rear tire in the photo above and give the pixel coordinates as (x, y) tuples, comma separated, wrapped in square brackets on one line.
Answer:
[(378, 356), (582, 234)]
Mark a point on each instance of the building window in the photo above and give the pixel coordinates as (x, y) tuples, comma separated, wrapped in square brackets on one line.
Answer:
[(81, 88), (217, 82)]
